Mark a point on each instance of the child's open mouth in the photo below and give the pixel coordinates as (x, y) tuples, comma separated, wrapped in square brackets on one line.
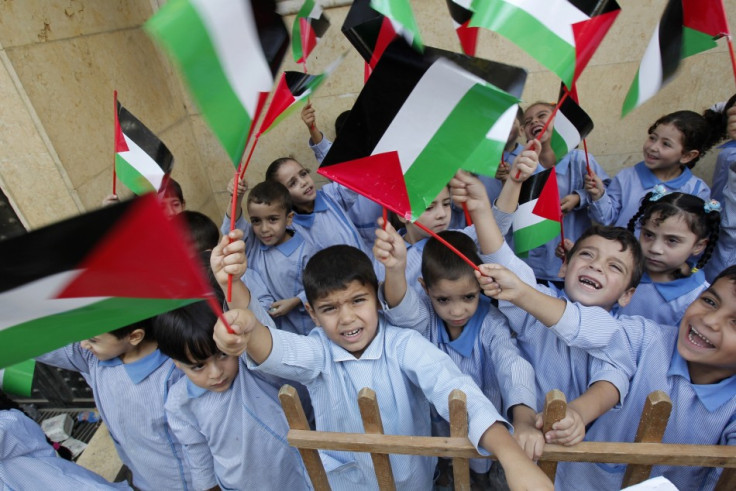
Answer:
[(698, 339), (351, 334), (590, 282)]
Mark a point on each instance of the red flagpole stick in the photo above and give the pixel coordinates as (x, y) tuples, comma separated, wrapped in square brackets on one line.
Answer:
[(449, 246), (550, 119), (468, 220), (385, 217), (218, 311), (114, 151), (562, 236), (730, 52), (587, 161)]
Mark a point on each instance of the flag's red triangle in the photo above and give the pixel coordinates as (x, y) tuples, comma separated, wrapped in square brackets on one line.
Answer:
[(588, 35), (548, 202), (385, 35), (120, 145), (308, 38), (281, 100), (468, 38), (377, 177), (707, 16), (145, 255)]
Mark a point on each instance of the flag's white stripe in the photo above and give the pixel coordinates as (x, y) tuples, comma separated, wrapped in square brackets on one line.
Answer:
[(502, 127), (650, 69), (424, 112), (464, 3), (234, 36), (402, 31), (316, 12), (557, 15), (567, 130), (143, 163), (523, 217), (36, 300)]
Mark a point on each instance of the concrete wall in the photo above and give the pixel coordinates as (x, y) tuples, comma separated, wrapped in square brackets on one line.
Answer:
[(61, 60)]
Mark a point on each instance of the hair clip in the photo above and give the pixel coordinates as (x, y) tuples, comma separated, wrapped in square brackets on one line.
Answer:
[(658, 191), (712, 205), (694, 270)]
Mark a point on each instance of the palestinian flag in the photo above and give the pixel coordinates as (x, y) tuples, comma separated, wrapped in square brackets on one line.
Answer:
[(537, 220), (92, 274), (461, 14), (368, 31), (402, 143), (292, 92), (562, 35), (402, 18), (309, 26), (229, 52), (142, 161), (570, 126), (18, 379), (687, 27)]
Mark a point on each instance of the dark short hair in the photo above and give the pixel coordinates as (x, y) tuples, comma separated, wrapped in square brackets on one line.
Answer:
[(145, 324), (172, 188), (270, 193), (729, 273), (334, 268), (440, 263), (204, 232), (627, 240), (273, 167), (340, 121), (185, 334)]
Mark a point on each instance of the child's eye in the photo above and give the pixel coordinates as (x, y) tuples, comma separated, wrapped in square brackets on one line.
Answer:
[(446, 203), (303, 173), (708, 301), (326, 309), (196, 368), (585, 254), (222, 356), (442, 300), (470, 297), (617, 268)]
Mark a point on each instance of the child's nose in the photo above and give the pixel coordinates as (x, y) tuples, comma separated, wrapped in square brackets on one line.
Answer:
[(215, 370)]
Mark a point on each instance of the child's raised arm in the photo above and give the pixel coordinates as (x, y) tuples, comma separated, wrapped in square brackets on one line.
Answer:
[(229, 259), (390, 250), (521, 472), (242, 188), (522, 167), (249, 335), (467, 189)]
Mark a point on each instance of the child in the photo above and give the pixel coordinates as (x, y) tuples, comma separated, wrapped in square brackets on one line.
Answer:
[(129, 378), (603, 270), (202, 230), (462, 323), (675, 228), (675, 143), (570, 171), (725, 251), (511, 150), (171, 196), (355, 347), (228, 419), (727, 152)]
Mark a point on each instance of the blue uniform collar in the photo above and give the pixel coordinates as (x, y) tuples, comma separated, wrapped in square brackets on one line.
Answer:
[(512, 154), (729, 144), (194, 391), (649, 180), (466, 341), (307, 219), (373, 351), (288, 247), (139, 369), (676, 288), (712, 396)]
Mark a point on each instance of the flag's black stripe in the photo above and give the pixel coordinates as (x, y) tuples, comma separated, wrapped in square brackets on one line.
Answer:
[(272, 33), (579, 118), (297, 82), (320, 25), (459, 14), (146, 139), (592, 8), (56, 248), (670, 38), (532, 187), (361, 27)]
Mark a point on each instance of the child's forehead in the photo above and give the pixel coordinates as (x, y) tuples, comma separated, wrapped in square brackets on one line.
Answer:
[(538, 107), (350, 289), (263, 209), (461, 284), (610, 247)]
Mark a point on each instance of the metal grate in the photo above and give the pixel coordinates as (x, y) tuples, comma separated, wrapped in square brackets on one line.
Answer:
[(82, 430)]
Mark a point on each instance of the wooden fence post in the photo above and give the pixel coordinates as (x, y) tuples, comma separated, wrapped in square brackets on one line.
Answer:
[(298, 421), (555, 406), (372, 423), (727, 481), (459, 428), (652, 424)]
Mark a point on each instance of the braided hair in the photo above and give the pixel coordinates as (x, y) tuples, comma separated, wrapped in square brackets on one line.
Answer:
[(704, 224)]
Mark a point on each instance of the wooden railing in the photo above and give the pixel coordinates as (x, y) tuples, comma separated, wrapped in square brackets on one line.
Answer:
[(640, 456)]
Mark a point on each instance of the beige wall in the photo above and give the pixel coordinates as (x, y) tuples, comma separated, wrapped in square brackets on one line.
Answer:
[(61, 60)]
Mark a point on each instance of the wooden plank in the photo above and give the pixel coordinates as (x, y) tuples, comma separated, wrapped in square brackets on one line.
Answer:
[(555, 407), (459, 429), (372, 424), (297, 420), (653, 422), (611, 452), (100, 456), (727, 481)]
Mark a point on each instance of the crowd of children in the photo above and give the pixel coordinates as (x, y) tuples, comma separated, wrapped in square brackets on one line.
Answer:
[(329, 297)]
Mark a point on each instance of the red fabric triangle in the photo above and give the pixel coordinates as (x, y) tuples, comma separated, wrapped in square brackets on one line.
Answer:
[(548, 202), (385, 35), (706, 16), (468, 38), (145, 255), (120, 145), (308, 38), (377, 177), (281, 100), (588, 35)]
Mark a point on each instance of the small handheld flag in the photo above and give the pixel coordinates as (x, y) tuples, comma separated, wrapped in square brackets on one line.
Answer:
[(402, 18), (538, 218), (368, 31), (309, 26), (461, 15)]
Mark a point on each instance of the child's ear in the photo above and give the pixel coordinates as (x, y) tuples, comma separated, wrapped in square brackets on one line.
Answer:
[(424, 285), (310, 311), (563, 270), (136, 336), (688, 156), (625, 297), (289, 218), (699, 247)]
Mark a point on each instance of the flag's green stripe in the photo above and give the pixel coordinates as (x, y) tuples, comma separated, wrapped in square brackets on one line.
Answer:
[(454, 143), (182, 33), (33, 338), (695, 42), (129, 175), (632, 96), (400, 11), (559, 145), (539, 234), (18, 379), (485, 158), (523, 29)]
